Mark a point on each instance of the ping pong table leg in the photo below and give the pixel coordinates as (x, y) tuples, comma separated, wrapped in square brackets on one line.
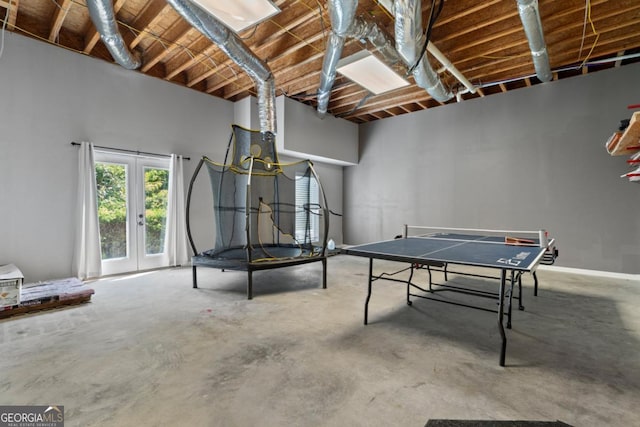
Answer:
[(520, 296), (366, 304), (503, 348), (430, 281), (409, 285), (511, 283), (535, 284)]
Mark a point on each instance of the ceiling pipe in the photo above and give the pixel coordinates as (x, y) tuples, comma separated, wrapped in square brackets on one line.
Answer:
[(448, 65), (234, 48), (613, 59), (342, 14), (104, 19), (530, 17), (409, 40), (560, 70)]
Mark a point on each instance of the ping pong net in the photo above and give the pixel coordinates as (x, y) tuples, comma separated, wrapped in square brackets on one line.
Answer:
[(537, 238)]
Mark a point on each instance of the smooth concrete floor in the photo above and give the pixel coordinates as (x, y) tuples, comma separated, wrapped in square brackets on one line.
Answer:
[(151, 351)]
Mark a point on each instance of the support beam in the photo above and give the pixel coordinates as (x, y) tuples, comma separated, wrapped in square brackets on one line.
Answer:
[(273, 38), (619, 63), (159, 51), (151, 14), (12, 6), (58, 19)]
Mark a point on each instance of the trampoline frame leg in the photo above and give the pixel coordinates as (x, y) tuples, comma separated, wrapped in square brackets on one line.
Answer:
[(195, 277), (250, 284), (324, 273)]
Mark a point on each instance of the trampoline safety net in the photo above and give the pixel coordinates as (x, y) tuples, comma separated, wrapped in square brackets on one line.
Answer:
[(264, 210)]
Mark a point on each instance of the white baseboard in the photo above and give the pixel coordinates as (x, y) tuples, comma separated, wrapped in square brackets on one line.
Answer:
[(610, 274)]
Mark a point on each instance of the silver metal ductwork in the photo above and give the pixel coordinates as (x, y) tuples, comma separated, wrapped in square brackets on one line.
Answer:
[(404, 51), (104, 19), (344, 24), (235, 49), (530, 17), (409, 41), (363, 29), (342, 14)]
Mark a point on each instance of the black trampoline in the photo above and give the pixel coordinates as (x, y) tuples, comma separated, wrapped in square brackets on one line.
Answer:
[(266, 214)]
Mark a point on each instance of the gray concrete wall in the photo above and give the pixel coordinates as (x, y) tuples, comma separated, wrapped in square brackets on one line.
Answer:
[(51, 97), (527, 159), (302, 133)]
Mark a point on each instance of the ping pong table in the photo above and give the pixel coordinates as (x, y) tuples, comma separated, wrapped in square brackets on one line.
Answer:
[(511, 252)]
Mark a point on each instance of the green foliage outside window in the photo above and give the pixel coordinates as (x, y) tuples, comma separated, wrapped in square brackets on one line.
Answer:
[(111, 180), (111, 183), (156, 188)]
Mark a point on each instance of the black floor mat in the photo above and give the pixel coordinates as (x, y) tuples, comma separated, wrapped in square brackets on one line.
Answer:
[(494, 423)]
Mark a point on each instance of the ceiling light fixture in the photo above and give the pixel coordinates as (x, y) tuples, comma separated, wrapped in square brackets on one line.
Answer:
[(370, 72), (239, 15)]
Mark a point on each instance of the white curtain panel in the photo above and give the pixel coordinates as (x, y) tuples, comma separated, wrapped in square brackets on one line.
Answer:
[(87, 260), (176, 239)]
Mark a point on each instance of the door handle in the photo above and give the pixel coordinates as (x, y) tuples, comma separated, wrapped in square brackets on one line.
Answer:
[(140, 222)]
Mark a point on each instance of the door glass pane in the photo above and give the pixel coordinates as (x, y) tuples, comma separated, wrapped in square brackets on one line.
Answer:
[(111, 183), (156, 192)]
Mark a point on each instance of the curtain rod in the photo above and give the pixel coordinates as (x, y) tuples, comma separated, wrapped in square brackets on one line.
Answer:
[(132, 151)]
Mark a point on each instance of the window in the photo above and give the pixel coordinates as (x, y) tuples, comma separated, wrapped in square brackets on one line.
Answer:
[(307, 209)]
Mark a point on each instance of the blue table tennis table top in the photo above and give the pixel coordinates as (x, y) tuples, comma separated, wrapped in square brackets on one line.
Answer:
[(455, 248)]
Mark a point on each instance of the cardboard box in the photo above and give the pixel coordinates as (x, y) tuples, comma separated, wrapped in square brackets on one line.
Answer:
[(10, 286)]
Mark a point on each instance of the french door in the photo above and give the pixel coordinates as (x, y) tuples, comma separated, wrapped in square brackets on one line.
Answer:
[(132, 211)]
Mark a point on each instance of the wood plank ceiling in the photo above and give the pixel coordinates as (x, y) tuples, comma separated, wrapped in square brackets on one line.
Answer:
[(484, 39)]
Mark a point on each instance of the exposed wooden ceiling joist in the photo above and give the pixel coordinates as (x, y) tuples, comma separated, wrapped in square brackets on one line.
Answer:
[(484, 39)]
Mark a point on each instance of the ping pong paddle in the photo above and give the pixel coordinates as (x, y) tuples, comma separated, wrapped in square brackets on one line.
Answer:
[(518, 241)]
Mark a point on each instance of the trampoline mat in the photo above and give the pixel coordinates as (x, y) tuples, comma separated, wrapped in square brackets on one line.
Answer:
[(236, 258)]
